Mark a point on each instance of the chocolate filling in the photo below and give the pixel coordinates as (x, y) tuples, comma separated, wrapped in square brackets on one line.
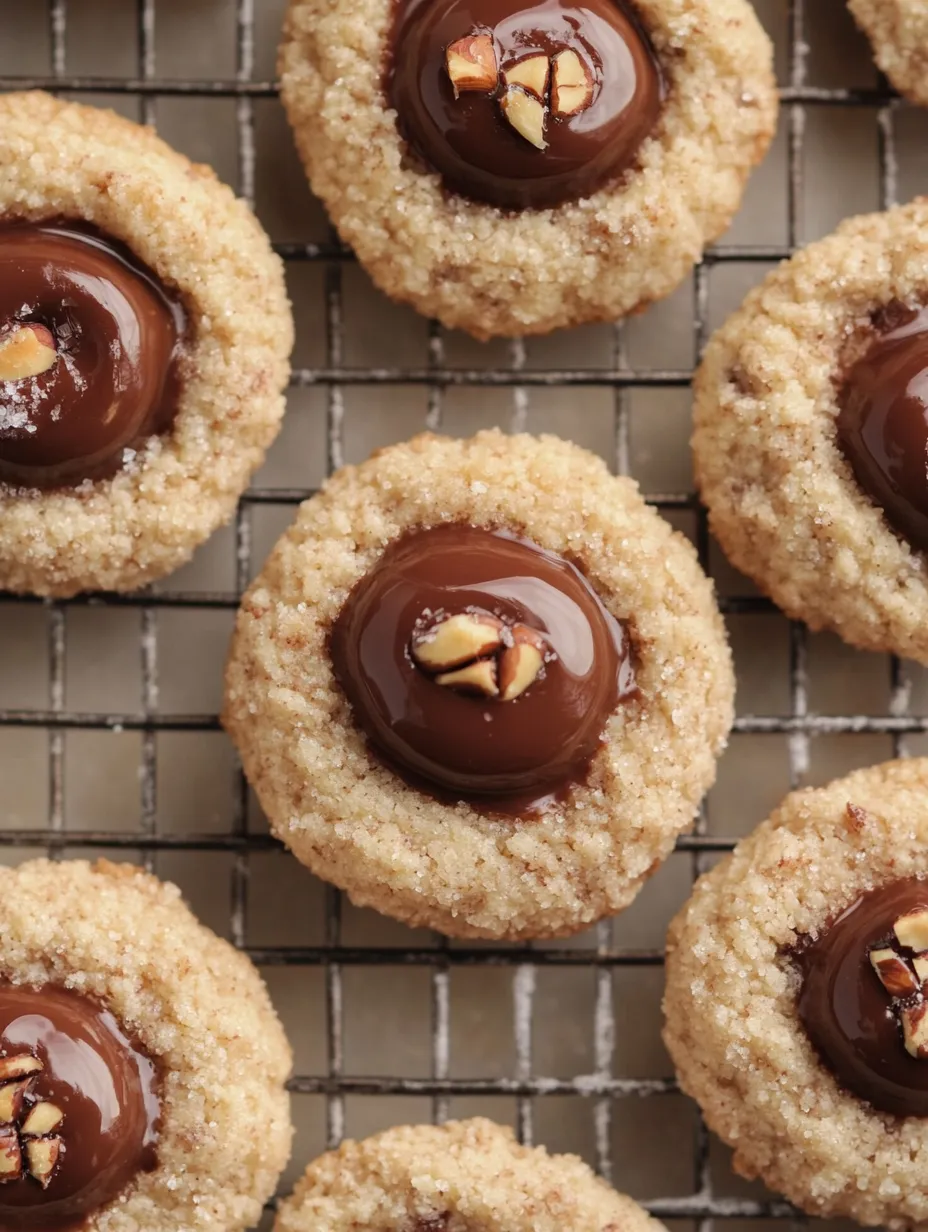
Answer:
[(544, 667), (90, 344), (883, 421), (78, 1129), (847, 1011), (591, 133)]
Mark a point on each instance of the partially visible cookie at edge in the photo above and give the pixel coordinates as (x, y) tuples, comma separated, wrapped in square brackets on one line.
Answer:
[(113, 245), (454, 1178), (898, 30), (809, 428), (795, 1000)]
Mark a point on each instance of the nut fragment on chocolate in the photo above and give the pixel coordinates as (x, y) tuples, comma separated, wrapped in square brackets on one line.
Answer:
[(27, 1147), (526, 114), (478, 678), (463, 641), (26, 351), (455, 640), (78, 1109), (914, 1021), (912, 930), (894, 973), (532, 74), (471, 64), (572, 89)]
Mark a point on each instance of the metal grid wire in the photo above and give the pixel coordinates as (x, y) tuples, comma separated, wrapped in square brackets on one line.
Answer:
[(798, 725)]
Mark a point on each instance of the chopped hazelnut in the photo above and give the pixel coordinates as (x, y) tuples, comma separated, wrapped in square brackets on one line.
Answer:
[(521, 663), (41, 1157), (42, 1119), (471, 64), (456, 641), (26, 351), (479, 677), (912, 930), (531, 74), (894, 972), (21, 1066), (526, 114), (915, 1030), (920, 963), (11, 1155), (12, 1098), (572, 86)]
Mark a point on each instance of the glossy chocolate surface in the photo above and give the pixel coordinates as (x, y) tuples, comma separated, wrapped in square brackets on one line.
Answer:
[(510, 757), (106, 1089), (118, 335), (847, 1012), (467, 140), (883, 421)]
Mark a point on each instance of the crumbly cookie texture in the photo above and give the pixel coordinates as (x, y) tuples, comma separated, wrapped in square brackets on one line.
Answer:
[(464, 1176), (730, 1004), (898, 30), (60, 159), (197, 1007), (353, 821), (783, 501), (491, 272)]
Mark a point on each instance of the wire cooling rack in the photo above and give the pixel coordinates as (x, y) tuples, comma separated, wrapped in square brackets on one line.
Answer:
[(517, 1088)]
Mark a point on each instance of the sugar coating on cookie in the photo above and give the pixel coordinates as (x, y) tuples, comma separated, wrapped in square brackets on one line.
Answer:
[(783, 497), (66, 163), (455, 1177), (357, 823), (734, 995), (109, 936), (493, 272), (898, 30)]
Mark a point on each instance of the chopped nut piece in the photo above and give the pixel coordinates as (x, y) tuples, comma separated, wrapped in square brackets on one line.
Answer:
[(531, 74), (915, 1030), (572, 88), (526, 115), (19, 1067), (912, 930), (920, 963), (11, 1155), (27, 351), (12, 1097), (894, 972), (521, 663), (42, 1156), (42, 1119), (471, 64), (456, 640), (479, 677)]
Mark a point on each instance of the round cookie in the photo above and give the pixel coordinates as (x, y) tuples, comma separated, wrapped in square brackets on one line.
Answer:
[(479, 815), (141, 372), (139, 1056), (455, 1177), (609, 217), (898, 30), (809, 426), (777, 948)]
